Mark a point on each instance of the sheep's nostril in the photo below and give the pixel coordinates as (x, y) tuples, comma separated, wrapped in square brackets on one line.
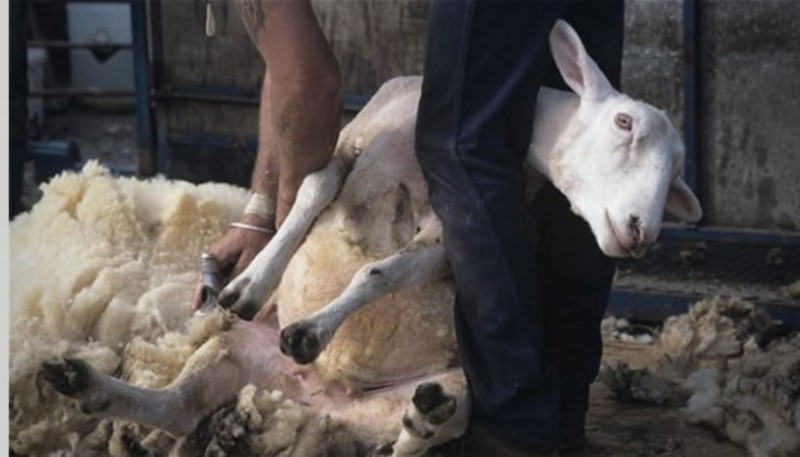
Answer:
[(640, 236), (636, 230)]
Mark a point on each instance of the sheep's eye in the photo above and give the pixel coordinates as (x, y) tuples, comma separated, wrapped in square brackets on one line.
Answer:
[(624, 121)]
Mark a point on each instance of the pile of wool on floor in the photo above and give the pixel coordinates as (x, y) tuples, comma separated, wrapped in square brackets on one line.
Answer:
[(724, 363)]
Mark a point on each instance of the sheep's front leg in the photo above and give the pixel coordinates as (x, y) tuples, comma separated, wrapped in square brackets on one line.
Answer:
[(209, 379), (246, 294), (421, 261)]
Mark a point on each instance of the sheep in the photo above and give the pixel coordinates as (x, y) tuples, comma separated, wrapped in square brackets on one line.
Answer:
[(362, 231)]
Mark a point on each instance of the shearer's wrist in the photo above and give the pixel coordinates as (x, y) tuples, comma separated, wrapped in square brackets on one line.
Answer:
[(259, 211), (261, 205), (258, 221)]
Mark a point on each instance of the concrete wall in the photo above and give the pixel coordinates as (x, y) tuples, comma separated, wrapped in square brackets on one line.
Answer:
[(750, 107)]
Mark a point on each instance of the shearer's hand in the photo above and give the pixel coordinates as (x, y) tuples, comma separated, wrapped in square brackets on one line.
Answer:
[(234, 251)]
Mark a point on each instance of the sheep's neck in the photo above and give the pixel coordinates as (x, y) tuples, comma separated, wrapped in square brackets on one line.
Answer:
[(555, 111)]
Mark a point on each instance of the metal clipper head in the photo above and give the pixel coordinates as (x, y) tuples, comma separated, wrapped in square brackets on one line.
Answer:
[(210, 290)]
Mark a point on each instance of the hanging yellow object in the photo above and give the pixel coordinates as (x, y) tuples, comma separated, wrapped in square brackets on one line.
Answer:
[(211, 22)]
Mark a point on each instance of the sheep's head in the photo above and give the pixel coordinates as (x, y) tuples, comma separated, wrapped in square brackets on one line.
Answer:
[(619, 161)]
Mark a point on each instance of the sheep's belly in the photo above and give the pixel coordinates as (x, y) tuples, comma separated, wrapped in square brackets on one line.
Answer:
[(398, 337)]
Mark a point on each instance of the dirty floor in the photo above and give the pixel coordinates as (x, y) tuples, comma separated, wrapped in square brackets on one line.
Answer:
[(634, 430)]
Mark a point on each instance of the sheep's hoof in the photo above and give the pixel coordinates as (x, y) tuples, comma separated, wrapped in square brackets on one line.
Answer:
[(246, 309), (237, 300), (69, 377), (382, 450), (431, 401), (300, 342)]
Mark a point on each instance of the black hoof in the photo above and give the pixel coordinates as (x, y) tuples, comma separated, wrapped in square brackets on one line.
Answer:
[(69, 377), (245, 309), (430, 400), (227, 299), (299, 342), (428, 396), (383, 449)]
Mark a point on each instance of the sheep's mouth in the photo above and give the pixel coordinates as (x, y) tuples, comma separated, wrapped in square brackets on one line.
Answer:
[(623, 248)]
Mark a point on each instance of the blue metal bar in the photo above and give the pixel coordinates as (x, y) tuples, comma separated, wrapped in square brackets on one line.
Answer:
[(144, 119), (654, 307), (354, 102), (63, 44), (215, 141), (691, 90), (83, 92), (81, 1), (751, 236), (212, 90), (198, 96), (648, 306), (237, 95), (163, 156)]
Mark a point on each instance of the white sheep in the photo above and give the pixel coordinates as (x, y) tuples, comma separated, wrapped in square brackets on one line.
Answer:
[(617, 160)]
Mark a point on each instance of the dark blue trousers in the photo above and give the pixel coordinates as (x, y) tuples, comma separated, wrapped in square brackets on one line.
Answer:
[(532, 285)]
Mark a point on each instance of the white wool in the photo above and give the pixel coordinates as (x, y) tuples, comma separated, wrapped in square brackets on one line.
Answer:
[(752, 395), (715, 327), (266, 424), (95, 241), (637, 385), (733, 378), (793, 289), (103, 270), (105, 267), (620, 329), (702, 405)]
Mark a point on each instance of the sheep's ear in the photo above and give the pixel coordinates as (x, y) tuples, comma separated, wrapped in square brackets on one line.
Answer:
[(579, 71), (682, 203)]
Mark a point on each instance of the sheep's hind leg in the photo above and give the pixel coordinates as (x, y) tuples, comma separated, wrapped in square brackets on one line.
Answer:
[(246, 294), (206, 382), (421, 261)]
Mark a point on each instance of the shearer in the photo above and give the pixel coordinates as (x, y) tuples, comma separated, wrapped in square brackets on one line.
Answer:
[(527, 313)]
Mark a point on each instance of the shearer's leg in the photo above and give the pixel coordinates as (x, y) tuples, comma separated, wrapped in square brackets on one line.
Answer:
[(420, 262), (574, 276), (482, 74)]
